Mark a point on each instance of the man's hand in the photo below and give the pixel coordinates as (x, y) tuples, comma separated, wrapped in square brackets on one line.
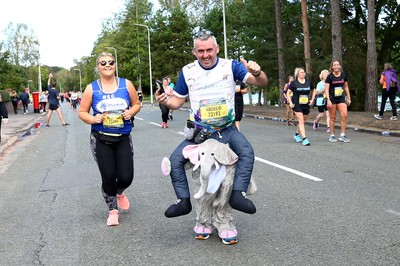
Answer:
[(251, 66), (161, 98)]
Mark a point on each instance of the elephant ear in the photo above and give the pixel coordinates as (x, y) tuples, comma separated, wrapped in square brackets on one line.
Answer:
[(191, 152), (224, 155)]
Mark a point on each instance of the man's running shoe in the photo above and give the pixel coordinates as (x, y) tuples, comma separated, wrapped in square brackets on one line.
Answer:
[(297, 138), (378, 117), (332, 139), (344, 139), (393, 118), (328, 130)]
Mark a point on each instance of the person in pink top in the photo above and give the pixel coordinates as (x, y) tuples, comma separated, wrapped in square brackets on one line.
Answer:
[(164, 109)]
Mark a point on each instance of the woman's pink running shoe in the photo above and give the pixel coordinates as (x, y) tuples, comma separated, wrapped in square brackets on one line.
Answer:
[(112, 218), (123, 202)]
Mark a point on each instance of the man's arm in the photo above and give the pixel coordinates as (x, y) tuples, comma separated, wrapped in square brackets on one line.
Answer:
[(49, 80)]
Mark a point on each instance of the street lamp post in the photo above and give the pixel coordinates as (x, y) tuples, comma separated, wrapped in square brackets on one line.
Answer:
[(80, 79), (29, 88), (151, 78), (225, 44), (116, 58), (40, 81)]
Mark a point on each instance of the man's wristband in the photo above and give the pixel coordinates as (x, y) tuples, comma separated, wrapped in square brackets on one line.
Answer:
[(259, 73)]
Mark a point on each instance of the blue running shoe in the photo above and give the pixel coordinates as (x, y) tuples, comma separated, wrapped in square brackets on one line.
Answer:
[(344, 139), (297, 138), (306, 142), (332, 139)]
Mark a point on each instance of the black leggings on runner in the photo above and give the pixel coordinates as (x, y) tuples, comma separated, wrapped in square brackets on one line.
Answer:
[(115, 162), (164, 113)]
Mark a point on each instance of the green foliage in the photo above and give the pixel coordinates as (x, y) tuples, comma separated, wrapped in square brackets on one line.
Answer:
[(274, 95), (172, 42), (5, 96)]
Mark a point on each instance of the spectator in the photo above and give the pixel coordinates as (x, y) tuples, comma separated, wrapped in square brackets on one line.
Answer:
[(390, 85), (24, 97), (43, 101), (3, 114), (14, 101)]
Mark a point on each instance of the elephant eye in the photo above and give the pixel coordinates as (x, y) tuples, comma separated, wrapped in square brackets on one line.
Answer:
[(212, 154), (202, 153)]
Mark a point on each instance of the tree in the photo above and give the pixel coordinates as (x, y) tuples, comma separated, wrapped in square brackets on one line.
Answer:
[(371, 66), (281, 55), (11, 75), (336, 31), (23, 44)]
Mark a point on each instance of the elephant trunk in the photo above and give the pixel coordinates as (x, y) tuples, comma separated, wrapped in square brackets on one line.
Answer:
[(204, 176)]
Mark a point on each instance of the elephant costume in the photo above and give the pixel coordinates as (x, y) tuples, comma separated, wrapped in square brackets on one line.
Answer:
[(214, 166)]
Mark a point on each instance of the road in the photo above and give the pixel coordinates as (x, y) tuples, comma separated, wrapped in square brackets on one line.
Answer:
[(325, 204)]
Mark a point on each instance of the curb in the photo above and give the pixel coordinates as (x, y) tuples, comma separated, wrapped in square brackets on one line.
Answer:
[(355, 128)]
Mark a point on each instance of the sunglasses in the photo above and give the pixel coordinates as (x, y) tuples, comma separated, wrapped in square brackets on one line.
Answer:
[(110, 62), (203, 34)]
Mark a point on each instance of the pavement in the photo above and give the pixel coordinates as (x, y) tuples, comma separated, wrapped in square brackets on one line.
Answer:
[(21, 124)]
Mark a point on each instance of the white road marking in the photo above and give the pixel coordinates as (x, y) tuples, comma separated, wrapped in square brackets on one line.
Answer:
[(138, 118), (155, 124), (313, 178), (393, 212)]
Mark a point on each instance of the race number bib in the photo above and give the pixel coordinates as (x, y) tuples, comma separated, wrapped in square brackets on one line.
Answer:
[(113, 119), (338, 91), (303, 99), (214, 111)]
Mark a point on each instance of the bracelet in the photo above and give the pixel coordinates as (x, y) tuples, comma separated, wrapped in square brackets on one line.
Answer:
[(259, 73)]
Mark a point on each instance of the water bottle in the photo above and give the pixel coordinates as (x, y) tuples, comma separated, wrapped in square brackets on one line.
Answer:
[(385, 133)]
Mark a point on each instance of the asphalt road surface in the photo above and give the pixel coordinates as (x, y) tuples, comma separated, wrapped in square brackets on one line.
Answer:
[(325, 204)]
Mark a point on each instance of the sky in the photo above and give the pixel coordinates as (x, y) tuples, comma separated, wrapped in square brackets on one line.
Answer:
[(66, 30)]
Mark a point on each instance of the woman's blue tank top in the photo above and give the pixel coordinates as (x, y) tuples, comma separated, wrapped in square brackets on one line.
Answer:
[(118, 100)]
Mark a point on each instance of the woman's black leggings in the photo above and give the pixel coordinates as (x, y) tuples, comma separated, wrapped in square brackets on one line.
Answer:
[(115, 162), (391, 94), (164, 113)]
